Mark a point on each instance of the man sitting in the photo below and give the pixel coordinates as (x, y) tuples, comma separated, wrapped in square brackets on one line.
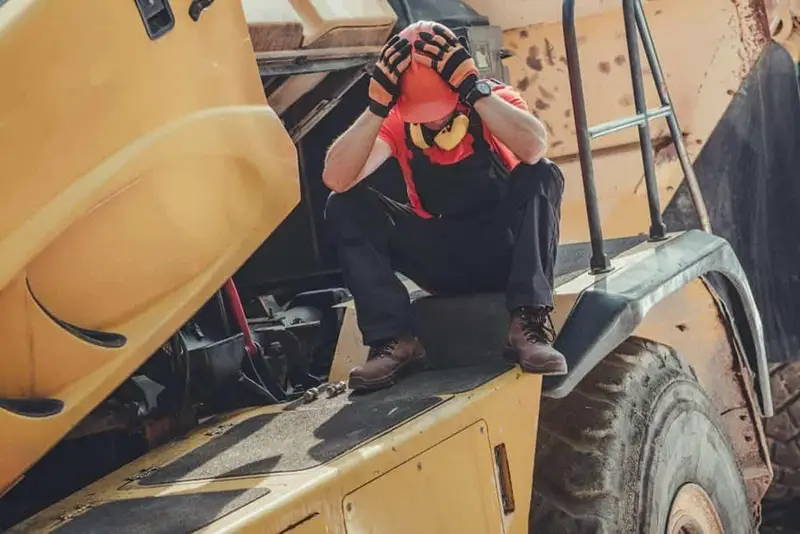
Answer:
[(483, 211)]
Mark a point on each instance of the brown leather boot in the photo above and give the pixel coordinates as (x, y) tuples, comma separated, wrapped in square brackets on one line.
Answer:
[(530, 343), (388, 362)]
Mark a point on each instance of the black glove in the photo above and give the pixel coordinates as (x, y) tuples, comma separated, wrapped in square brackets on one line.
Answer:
[(384, 87), (443, 52)]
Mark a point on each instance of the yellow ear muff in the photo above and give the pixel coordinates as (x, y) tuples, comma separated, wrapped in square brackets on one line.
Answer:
[(453, 133), (446, 139), (418, 137)]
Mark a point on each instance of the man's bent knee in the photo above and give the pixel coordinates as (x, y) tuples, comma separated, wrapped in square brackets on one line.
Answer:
[(542, 178)]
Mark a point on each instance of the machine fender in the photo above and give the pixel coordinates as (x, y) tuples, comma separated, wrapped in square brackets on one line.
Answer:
[(608, 311)]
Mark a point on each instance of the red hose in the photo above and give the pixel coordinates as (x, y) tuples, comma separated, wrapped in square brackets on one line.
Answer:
[(241, 319)]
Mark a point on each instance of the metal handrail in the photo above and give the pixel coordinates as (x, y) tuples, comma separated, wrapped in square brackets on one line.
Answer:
[(635, 27)]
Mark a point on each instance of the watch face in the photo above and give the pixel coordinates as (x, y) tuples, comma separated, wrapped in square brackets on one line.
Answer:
[(484, 88)]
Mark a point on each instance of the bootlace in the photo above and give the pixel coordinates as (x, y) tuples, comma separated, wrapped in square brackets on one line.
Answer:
[(382, 350), (537, 326)]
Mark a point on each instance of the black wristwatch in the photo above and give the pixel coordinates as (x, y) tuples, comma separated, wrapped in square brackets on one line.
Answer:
[(481, 89)]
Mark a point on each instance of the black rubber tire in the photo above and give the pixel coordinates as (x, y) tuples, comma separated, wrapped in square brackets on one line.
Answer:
[(782, 502), (612, 455)]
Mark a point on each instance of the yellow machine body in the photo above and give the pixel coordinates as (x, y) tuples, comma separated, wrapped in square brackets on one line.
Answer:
[(139, 174), (474, 450)]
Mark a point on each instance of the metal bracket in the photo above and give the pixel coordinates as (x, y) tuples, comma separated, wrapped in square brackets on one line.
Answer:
[(157, 17)]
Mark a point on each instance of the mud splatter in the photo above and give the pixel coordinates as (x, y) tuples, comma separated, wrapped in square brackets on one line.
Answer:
[(523, 34), (568, 113), (664, 154), (619, 60), (524, 83), (582, 39), (659, 11), (604, 66), (533, 60), (563, 59), (556, 144), (541, 104), (546, 94), (549, 52), (548, 128), (626, 100)]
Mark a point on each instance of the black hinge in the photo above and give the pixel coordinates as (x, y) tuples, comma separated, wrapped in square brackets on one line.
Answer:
[(157, 16), (197, 7), (504, 478)]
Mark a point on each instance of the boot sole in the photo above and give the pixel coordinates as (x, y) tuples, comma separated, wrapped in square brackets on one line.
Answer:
[(510, 356), (418, 364)]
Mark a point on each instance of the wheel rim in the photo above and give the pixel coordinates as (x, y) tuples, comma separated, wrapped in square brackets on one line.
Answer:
[(693, 512)]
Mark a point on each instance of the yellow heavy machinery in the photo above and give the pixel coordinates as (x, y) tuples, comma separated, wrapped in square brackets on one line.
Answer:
[(173, 331)]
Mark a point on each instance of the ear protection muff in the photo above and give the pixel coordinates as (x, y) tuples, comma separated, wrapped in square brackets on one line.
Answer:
[(447, 138)]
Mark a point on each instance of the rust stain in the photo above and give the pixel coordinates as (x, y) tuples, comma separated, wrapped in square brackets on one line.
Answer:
[(541, 104), (665, 154), (604, 66), (524, 83), (546, 94), (619, 60), (626, 100), (533, 59), (549, 52)]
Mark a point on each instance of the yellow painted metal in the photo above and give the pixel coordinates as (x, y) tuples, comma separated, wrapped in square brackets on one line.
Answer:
[(463, 461), (447, 439), (135, 181), (706, 50)]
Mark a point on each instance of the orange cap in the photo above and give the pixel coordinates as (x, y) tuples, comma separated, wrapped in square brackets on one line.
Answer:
[(424, 96)]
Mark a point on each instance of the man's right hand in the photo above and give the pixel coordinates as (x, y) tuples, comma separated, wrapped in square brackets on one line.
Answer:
[(384, 87)]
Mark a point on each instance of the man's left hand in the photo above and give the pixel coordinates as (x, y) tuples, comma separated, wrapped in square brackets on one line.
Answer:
[(443, 52)]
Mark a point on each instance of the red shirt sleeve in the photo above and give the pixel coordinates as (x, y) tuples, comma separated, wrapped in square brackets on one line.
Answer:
[(392, 131)]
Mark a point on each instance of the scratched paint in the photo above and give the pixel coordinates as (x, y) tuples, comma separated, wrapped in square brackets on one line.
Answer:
[(722, 38)]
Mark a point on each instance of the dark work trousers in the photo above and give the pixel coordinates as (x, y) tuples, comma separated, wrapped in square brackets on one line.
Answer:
[(509, 247)]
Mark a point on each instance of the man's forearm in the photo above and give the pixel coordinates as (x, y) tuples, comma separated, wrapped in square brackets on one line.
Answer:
[(348, 154), (519, 130)]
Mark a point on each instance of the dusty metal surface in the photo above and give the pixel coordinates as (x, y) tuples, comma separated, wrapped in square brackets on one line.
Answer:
[(320, 491), (169, 514), (723, 40), (613, 306), (693, 322)]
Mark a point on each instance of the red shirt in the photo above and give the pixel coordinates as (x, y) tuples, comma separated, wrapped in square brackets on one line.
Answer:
[(392, 131)]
